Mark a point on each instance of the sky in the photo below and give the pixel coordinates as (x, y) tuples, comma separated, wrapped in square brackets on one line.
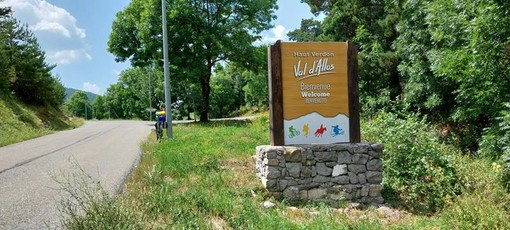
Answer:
[(74, 35)]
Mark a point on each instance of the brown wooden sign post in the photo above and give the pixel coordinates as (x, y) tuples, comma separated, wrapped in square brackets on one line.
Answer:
[(314, 93)]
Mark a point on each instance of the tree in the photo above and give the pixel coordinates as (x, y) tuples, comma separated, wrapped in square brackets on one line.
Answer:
[(371, 26), (129, 97), (310, 30), (23, 65), (202, 33), (79, 105)]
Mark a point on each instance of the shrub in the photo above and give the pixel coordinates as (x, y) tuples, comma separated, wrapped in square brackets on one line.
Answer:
[(418, 171)]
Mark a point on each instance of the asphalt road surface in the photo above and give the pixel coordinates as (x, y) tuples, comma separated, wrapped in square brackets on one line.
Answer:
[(29, 192)]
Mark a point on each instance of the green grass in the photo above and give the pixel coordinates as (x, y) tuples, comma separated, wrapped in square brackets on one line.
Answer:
[(20, 122), (204, 178)]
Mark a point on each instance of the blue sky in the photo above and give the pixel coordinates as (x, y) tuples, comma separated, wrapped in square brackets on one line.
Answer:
[(74, 35)]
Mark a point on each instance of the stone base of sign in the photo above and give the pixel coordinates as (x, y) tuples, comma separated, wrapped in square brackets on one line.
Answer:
[(329, 173)]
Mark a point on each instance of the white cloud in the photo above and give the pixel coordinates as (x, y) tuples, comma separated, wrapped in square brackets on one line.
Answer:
[(89, 87), (68, 56), (279, 32), (55, 29)]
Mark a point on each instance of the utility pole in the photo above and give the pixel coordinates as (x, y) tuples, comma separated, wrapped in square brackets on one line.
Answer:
[(168, 103), (150, 102)]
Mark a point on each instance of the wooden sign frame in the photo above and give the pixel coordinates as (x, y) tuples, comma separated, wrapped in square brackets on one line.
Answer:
[(276, 97)]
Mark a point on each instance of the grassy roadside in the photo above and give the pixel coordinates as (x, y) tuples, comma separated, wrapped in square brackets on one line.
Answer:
[(204, 178), (21, 122)]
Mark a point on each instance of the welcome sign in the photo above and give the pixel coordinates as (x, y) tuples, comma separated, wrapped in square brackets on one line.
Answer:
[(314, 93)]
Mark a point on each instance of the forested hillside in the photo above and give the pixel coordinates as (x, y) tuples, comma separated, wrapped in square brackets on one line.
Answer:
[(30, 97), (24, 73)]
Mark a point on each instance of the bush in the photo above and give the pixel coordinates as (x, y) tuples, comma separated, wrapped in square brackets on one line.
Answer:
[(418, 174), (496, 139)]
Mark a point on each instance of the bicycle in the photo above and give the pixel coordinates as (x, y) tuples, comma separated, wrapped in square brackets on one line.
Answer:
[(159, 130)]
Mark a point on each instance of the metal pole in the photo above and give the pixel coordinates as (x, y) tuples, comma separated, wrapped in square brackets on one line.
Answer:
[(150, 102), (168, 103)]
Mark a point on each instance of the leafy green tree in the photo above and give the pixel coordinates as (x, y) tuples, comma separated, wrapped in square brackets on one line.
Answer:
[(79, 105), (202, 33), (223, 96), (371, 26), (24, 68), (310, 31), (129, 97), (471, 47)]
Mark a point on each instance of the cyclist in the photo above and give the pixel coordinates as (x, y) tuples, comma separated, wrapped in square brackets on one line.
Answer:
[(161, 122)]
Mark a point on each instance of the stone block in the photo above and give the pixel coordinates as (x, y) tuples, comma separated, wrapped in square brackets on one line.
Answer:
[(307, 171), (291, 193), (272, 185), (294, 169), (338, 147), (375, 190), (374, 154), (309, 162), (374, 177), (360, 159), (375, 165), (340, 180), (326, 156), (362, 177), (339, 170), (292, 154), (377, 147), (316, 193), (353, 178), (360, 148), (282, 184), (271, 162), (364, 190), (357, 168), (272, 173), (323, 170), (344, 157), (321, 179)]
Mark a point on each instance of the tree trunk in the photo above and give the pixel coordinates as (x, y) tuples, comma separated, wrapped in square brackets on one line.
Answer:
[(206, 92)]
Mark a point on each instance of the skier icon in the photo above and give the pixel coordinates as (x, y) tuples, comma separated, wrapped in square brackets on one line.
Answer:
[(336, 130)]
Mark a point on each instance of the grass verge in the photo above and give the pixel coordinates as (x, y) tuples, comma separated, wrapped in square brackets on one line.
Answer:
[(204, 178), (21, 122)]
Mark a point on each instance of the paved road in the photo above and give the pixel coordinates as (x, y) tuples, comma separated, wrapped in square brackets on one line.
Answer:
[(105, 150)]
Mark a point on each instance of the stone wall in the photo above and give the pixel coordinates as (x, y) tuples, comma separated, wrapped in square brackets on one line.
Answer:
[(329, 173)]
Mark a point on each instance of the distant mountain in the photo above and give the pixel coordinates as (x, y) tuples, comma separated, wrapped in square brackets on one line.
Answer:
[(70, 91)]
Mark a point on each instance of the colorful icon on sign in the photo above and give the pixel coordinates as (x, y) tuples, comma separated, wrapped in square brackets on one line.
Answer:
[(306, 130), (293, 132), (320, 131), (336, 130)]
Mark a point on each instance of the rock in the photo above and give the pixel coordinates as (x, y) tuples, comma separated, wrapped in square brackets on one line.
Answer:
[(339, 170), (291, 193), (326, 156), (374, 177), (340, 180), (360, 159), (292, 154), (357, 168), (377, 147), (294, 169), (268, 204), (344, 157), (375, 165), (323, 170)]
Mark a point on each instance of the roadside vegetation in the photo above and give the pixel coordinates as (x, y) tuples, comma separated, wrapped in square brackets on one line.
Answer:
[(20, 122), (181, 184)]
